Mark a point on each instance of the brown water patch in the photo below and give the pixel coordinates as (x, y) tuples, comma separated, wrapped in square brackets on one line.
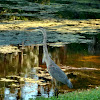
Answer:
[(23, 72), (94, 59)]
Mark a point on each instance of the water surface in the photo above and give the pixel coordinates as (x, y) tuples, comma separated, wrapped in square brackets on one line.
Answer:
[(24, 76)]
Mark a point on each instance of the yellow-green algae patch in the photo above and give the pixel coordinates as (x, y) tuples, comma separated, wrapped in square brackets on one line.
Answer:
[(8, 49)]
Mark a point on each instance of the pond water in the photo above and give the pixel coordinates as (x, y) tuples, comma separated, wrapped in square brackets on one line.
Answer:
[(24, 76)]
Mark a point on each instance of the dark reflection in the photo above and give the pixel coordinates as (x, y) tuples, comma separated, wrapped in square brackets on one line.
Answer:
[(24, 76), (94, 46)]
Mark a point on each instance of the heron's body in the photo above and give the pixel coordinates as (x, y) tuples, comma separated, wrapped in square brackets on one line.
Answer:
[(53, 69)]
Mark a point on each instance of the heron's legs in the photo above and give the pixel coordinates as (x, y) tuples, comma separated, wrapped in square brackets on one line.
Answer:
[(54, 85), (56, 90)]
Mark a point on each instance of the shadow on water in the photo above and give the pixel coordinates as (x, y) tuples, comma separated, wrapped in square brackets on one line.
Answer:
[(24, 76)]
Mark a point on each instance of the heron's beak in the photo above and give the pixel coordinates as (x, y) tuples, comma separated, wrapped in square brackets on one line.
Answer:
[(31, 28)]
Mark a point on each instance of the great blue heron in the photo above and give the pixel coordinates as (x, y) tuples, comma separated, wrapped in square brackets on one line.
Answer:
[(53, 69)]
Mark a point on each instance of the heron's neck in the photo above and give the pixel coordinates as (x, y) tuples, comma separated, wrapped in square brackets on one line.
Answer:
[(45, 50)]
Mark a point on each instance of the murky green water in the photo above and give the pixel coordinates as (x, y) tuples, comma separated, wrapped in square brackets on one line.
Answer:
[(24, 76)]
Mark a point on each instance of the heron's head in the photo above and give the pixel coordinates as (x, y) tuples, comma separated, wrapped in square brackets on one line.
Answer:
[(41, 29)]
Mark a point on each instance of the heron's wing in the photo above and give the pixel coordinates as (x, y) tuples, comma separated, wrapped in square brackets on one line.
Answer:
[(57, 73)]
